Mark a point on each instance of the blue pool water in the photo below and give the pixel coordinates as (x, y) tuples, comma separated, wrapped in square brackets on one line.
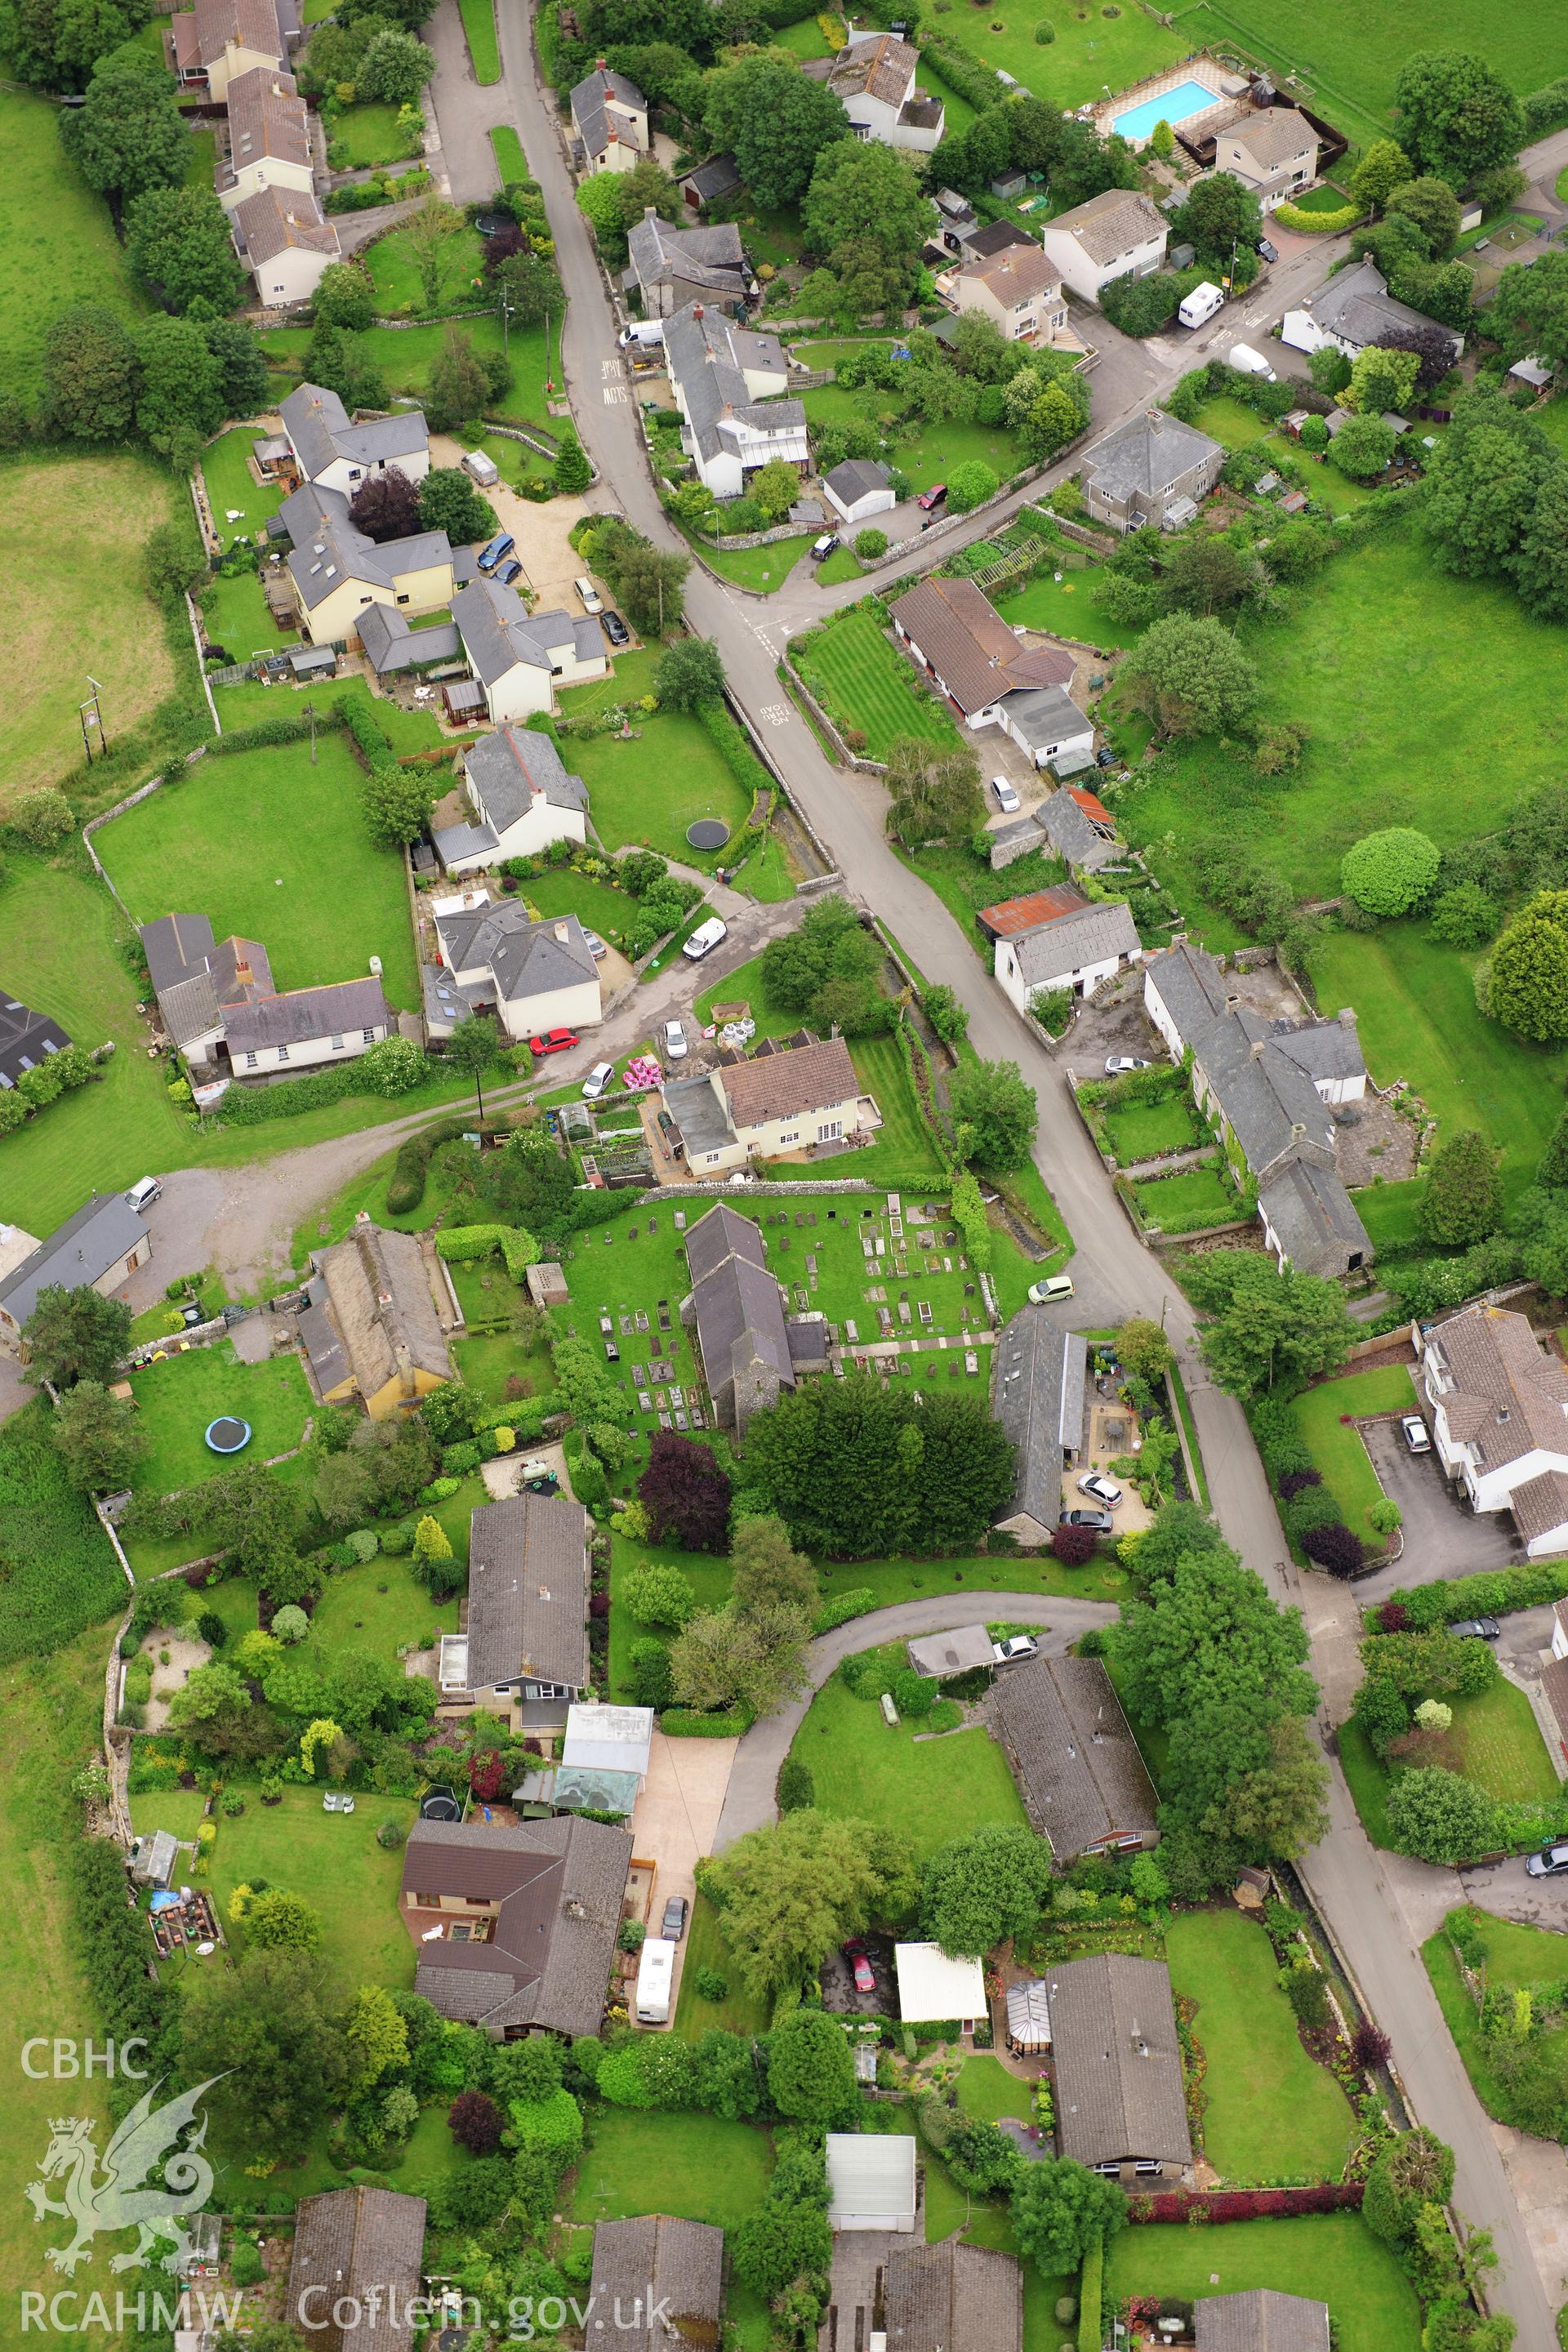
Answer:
[(1172, 107)]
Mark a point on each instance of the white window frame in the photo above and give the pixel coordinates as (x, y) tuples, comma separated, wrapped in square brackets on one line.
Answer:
[(283, 1053)]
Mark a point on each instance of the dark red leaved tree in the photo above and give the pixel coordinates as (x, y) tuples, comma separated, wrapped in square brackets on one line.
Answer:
[(1336, 1548), (486, 1775), (1394, 1618), (474, 2123), (1073, 1546), (1369, 2047), (387, 506), (686, 1494)]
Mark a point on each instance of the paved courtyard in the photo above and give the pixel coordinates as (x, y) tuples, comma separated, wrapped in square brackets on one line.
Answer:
[(1442, 1538)]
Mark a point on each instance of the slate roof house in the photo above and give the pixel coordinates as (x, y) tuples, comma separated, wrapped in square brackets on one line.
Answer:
[(1038, 1379), (1121, 2105), (93, 1250), (523, 798), (27, 1038), (371, 1329), (651, 2264), (1058, 939), (951, 629), (797, 1100), (515, 1927), (708, 184), (726, 380), (520, 658), (334, 449), (873, 76), (336, 571), (858, 490), (535, 976), (609, 115), (1152, 470), (1268, 1089), (1499, 1420), (1114, 235), (1084, 1784), (269, 141), (361, 2247), (1260, 2320), (1080, 828), (737, 1313), (952, 2298), (217, 1000), (286, 241), (523, 1649), (1353, 310), (672, 265)]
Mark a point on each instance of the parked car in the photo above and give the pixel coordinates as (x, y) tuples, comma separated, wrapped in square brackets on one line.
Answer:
[(929, 500), (677, 1045), (1269, 251), (615, 628), (705, 939), (553, 1040), (859, 1960), (1548, 1862), (594, 945), (597, 1079), (1016, 1647), (675, 1911), (508, 571), (1475, 1629), (1006, 798), (1100, 1488), (1055, 1287), (500, 548), (1099, 1521), (1415, 1433), (823, 547), (591, 598), (1118, 1065), (143, 1192)]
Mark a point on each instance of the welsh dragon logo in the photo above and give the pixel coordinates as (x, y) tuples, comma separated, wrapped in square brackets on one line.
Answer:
[(121, 2197)]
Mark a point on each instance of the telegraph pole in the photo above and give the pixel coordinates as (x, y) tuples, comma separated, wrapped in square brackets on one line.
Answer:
[(90, 713)]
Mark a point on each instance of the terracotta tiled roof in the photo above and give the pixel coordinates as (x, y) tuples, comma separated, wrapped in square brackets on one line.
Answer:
[(970, 645), (1011, 916), (807, 1078)]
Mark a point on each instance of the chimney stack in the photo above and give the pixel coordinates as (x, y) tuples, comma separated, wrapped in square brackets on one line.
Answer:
[(1258, 1045)]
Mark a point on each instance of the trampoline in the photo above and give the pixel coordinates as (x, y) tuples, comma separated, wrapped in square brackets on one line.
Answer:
[(708, 832), (227, 1434)]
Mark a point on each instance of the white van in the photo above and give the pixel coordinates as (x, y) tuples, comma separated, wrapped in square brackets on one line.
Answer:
[(142, 1193), (481, 468), (642, 331), (655, 1976), (1246, 362), (1201, 305), (705, 939)]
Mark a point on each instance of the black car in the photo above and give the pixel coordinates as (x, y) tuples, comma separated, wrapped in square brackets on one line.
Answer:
[(1476, 1628), (1101, 1522), (674, 1926), (615, 628)]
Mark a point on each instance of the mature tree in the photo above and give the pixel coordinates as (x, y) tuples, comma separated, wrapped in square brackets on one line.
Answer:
[(776, 2243), (527, 288), (474, 2121), (811, 2074), (1434, 208), (1329, 371), (751, 1658), (174, 561), (983, 1888), (387, 505), (1438, 1817), (1362, 447), (788, 1893), (1190, 676), (574, 474), (647, 186), (1205, 574), (344, 297), (932, 794), (1058, 2208), (1046, 410), (1413, 2171), (1270, 1328), (775, 123), (599, 196), (1211, 1627), (241, 365), (775, 488), (1530, 308), (474, 1047), (272, 2029), (962, 1469), (280, 1922), (129, 136), (1220, 213), (1382, 378), (1276, 1805), (1434, 351), (1482, 484), (448, 501), (1383, 168), (91, 375), (430, 237), (179, 239), (1085, 165), (972, 158), (1456, 115), (341, 363), (689, 672), (1144, 1350), (394, 68), (397, 801), (970, 484), (74, 1335), (1463, 1200), (457, 390), (686, 1493), (828, 968), (181, 402), (98, 1437), (766, 1569), (245, 1512), (995, 1112), (1538, 565), (658, 1593), (1551, 1168), (1390, 873), (855, 1470), (649, 582), (865, 213), (1525, 984)]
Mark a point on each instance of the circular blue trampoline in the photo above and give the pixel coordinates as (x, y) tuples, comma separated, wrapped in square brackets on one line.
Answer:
[(228, 1435)]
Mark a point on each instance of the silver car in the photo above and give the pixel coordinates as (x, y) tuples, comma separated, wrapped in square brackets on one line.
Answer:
[(676, 1044), (1099, 1489), (597, 1079)]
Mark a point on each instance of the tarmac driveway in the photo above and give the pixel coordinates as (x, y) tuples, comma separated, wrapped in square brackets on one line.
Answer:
[(1442, 1538)]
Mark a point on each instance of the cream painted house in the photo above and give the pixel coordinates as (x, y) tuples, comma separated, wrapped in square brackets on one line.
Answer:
[(269, 138), (218, 40), (520, 659), (725, 380), (1112, 235), (791, 1102), (372, 1329), (873, 77), (285, 242), (336, 570), (1020, 290), (1499, 1420), (532, 975), (1273, 151), (335, 453), (523, 798), (609, 115)]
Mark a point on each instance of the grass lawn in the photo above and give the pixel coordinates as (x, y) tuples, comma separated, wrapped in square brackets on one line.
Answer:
[(1144, 1130), (1067, 607), (867, 685), (226, 469), (176, 1400), (398, 292), (67, 524), (1330, 2258), (1430, 759), (1416, 1016), (1186, 1203), (1239, 427), (510, 161), (1367, 1781), (406, 356), (1272, 2113), (1336, 1450), (649, 791), (1090, 53), (1495, 1741), (803, 40), (484, 47), (965, 884), (929, 1789), (603, 909), (274, 849), (354, 1613), (740, 2011), (57, 247), (1340, 50), (369, 135), (697, 2167), (244, 704), (332, 1860), (1515, 1955), (987, 2091), (764, 568), (926, 453), (239, 619)]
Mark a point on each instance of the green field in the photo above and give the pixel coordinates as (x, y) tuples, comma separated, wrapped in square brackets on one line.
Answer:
[(1144, 1130), (398, 292), (1336, 1450), (1417, 1017), (1092, 52), (761, 568), (237, 616), (987, 2091), (927, 1789), (226, 470), (696, 2166), (1239, 427), (406, 356), (273, 849), (1068, 607), (1186, 1203), (1495, 1741), (866, 683), (176, 1400), (58, 246), (1273, 2113), (57, 618), (927, 453), (369, 135), (355, 1612), (484, 47), (1332, 2258), (740, 2011)]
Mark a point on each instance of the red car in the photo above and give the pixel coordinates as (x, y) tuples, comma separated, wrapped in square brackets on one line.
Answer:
[(553, 1040), (865, 1976), (931, 498)]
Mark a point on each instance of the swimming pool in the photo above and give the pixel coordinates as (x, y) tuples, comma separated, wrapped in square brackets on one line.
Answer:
[(1172, 105)]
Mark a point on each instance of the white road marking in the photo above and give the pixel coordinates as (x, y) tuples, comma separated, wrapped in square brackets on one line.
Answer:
[(610, 368), (614, 395), (777, 714)]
